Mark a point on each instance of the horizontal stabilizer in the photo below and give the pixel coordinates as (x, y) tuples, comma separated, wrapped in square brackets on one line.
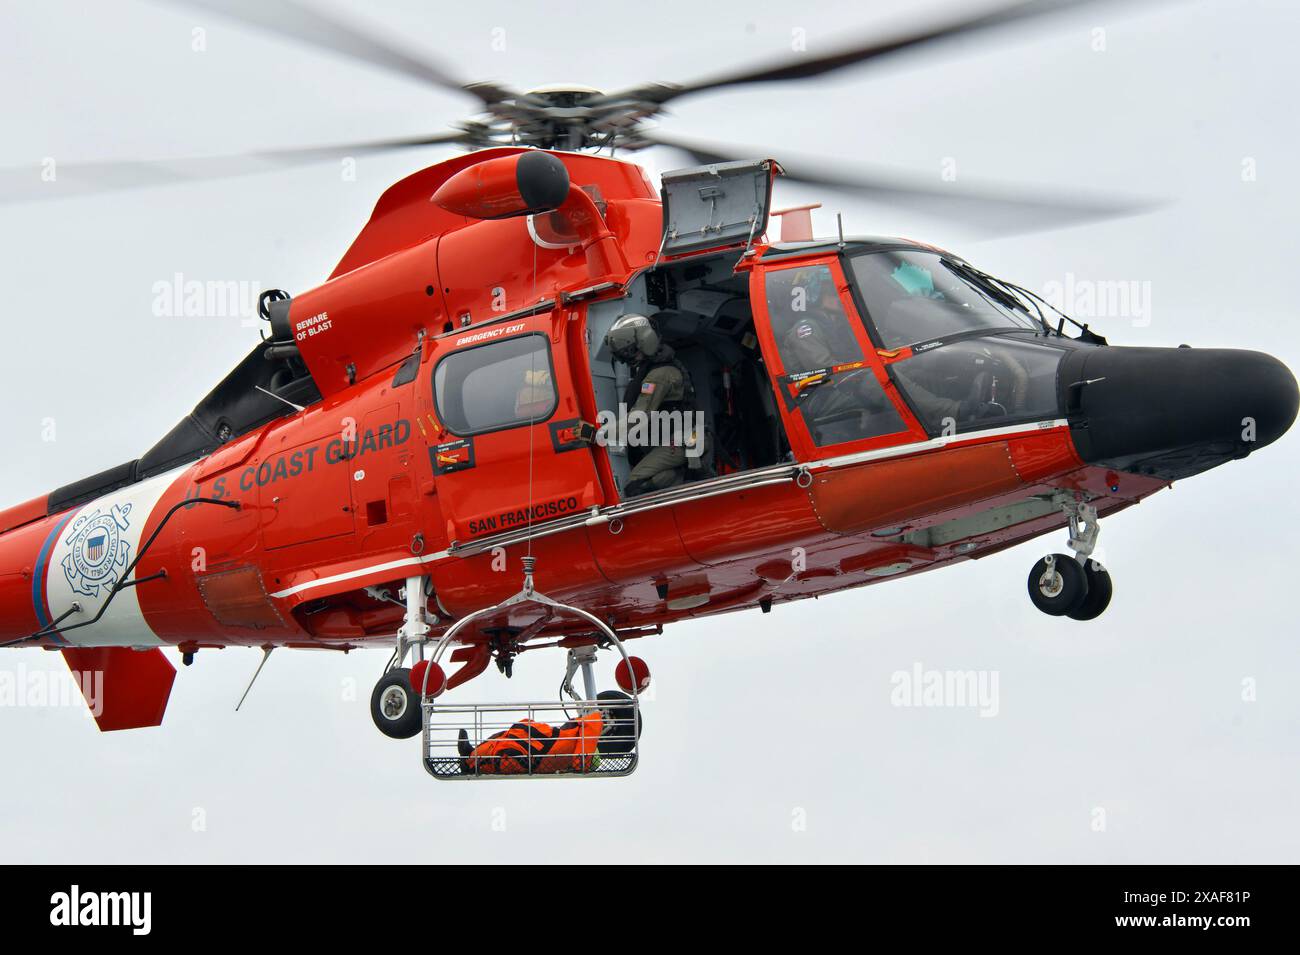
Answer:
[(124, 688)]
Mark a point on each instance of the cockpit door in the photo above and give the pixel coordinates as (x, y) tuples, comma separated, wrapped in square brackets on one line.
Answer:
[(832, 389), (716, 206)]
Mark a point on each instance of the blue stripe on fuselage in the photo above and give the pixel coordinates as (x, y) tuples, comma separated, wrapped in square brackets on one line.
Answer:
[(38, 576)]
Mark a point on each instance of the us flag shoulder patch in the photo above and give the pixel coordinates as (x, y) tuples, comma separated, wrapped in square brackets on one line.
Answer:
[(647, 388)]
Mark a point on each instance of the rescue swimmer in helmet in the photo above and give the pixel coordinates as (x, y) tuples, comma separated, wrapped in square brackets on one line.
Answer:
[(659, 392)]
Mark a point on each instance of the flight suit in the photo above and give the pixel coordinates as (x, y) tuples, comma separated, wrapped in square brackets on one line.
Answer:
[(662, 386), (808, 347)]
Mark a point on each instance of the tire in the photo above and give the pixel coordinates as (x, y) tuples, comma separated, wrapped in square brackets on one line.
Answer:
[(1060, 591), (617, 738), (394, 706), (1100, 590)]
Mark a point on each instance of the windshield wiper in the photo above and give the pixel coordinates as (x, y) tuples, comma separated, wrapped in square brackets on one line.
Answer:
[(1023, 299), (991, 288)]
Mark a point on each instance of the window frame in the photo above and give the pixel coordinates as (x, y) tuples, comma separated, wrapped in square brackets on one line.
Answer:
[(527, 422)]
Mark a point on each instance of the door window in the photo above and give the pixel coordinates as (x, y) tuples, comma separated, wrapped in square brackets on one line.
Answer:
[(826, 379), (490, 387)]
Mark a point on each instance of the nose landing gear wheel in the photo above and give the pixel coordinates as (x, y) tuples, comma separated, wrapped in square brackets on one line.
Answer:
[(1058, 586), (394, 706), (1099, 593)]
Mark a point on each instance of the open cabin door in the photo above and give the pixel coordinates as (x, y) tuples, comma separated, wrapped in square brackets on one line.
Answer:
[(831, 386), (508, 449), (716, 206)]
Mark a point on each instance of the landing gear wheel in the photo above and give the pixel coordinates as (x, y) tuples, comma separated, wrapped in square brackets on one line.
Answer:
[(1058, 585), (1099, 593), (394, 706)]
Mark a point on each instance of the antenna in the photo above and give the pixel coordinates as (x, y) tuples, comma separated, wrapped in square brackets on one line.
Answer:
[(266, 655), (280, 398), (839, 221)]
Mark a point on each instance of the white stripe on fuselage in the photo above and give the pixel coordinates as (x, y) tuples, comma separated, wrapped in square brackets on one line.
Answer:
[(92, 553)]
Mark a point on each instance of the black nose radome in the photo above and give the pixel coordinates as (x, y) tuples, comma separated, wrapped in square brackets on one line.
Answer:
[(1174, 412)]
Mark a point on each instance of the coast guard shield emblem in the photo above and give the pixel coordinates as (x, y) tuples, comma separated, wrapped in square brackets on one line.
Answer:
[(97, 550)]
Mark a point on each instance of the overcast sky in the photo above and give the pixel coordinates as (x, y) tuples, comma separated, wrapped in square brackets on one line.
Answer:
[(769, 737)]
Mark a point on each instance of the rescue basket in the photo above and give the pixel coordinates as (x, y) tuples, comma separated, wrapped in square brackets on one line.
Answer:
[(589, 735), (516, 740)]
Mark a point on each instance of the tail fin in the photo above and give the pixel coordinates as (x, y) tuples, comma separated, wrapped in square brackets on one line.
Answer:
[(124, 688)]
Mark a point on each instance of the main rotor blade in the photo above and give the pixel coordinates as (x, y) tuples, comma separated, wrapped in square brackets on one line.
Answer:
[(994, 210), (59, 180), (862, 52), (285, 18)]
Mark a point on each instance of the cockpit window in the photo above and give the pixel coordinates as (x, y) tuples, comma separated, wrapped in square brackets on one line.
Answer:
[(980, 382), (913, 296)]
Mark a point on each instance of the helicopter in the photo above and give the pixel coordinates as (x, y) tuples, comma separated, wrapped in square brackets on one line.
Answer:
[(431, 450)]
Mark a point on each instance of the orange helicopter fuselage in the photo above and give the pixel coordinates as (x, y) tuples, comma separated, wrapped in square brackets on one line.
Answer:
[(370, 485)]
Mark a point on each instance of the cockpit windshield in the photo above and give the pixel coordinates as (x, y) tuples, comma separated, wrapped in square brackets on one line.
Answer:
[(913, 296)]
